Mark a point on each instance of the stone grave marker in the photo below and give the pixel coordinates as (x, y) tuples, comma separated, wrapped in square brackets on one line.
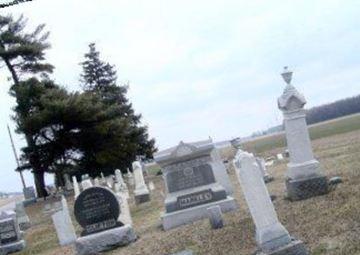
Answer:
[(68, 185), (63, 225), (266, 176), (97, 210), (191, 184), (22, 218), (76, 187), (141, 191), (10, 235), (29, 195), (215, 217), (304, 177), (271, 236)]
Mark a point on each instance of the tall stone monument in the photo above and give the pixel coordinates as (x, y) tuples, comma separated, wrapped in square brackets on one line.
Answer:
[(304, 176), (141, 191), (193, 183), (271, 236)]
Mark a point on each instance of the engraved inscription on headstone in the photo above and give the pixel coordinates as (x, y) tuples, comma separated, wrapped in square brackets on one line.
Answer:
[(194, 199), (8, 231), (97, 209), (190, 177)]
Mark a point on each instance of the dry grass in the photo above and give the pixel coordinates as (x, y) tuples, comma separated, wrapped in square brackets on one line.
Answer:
[(328, 224)]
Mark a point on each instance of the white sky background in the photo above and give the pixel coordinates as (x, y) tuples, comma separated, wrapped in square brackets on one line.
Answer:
[(199, 68)]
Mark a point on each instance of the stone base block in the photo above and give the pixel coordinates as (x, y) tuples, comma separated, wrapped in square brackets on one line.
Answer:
[(28, 202), (142, 198), (296, 247), (105, 240), (268, 178), (190, 215), (12, 247), (306, 188)]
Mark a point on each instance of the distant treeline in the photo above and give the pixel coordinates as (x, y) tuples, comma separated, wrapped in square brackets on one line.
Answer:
[(333, 110), (324, 112)]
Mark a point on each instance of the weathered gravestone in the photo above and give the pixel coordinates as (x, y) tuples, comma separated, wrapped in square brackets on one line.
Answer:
[(215, 217), (29, 195), (22, 218), (304, 176), (271, 236), (191, 183), (266, 176), (97, 211), (76, 187), (63, 225), (68, 185), (141, 191), (10, 235)]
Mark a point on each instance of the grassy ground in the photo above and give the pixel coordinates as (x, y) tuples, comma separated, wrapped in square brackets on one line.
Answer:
[(324, 129), (327, 224)]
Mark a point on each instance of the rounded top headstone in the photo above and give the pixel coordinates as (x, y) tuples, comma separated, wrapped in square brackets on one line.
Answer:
[(97, 209)]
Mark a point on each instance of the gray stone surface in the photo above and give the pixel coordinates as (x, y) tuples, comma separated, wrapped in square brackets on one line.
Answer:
[(29, 193), (141, 191), (302, 165), (10, 234), (12, 247), (215, 217), (194, 177), (190, 215), (270, 233), (186, 252), (63, 225), (310, 187), (142, 198), (296, 247), (105, 240), (22, 218)]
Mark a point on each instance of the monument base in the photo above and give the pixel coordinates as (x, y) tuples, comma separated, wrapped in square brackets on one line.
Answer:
[(142, 198), (296, 247), (28, 202), (306, 188), (105, 240), (190, 215), (268, 178), (12, 247)]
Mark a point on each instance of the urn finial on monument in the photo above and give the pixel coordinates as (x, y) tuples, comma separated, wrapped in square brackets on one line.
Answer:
[(304, 176), (287, 75), (291, 99)]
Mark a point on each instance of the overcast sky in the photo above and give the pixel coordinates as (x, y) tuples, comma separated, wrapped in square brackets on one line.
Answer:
[(199, 68)]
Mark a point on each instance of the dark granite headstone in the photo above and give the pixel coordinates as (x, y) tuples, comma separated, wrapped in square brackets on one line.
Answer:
[(190, 177), (97, 209), (8, 232)]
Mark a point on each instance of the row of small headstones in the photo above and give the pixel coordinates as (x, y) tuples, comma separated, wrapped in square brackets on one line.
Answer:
[(112, 188)]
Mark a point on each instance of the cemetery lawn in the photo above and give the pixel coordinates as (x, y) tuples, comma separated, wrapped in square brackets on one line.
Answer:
[(328, 224), (320, 130)]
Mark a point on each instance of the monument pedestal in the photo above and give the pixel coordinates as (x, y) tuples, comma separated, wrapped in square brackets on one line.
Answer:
[(306, 188), (105, 240), (142, 197), (192, 214), (12, 247), (296, 247)]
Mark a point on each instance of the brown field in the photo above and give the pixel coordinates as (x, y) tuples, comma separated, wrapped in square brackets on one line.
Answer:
[(327, 224)]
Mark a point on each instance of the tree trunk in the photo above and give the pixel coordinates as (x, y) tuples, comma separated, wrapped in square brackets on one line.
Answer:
[(59, 179), (40, 184)]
